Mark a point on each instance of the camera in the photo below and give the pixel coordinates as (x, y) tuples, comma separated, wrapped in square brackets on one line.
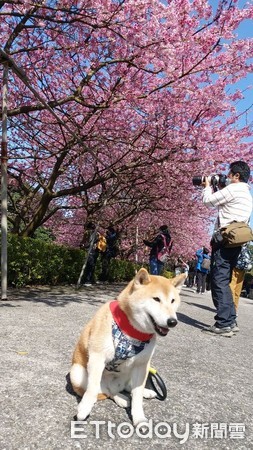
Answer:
[(215, 180)]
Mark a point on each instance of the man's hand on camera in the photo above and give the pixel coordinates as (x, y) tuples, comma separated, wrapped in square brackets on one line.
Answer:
[(206, 183)]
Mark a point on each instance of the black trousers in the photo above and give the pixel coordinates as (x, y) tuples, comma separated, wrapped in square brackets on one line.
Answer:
[(89, 273), (190, 280), (223, 260), (201, 281), (105, 260)]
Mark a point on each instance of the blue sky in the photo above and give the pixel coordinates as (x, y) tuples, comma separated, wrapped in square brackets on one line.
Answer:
[(246, 31)]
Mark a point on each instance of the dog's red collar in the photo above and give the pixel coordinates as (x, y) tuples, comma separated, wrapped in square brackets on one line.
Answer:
[(124, 324)]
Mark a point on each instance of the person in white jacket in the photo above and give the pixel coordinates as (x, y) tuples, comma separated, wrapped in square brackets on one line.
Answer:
[(234, 203)]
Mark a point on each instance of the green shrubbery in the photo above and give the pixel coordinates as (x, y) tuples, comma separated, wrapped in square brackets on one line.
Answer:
[(168, 274), (34, 262)]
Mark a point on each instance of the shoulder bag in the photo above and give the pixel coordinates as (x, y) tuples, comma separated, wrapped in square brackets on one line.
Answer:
[(236, 234)]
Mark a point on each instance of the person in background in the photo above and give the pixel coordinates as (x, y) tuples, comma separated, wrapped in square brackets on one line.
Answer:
[(244, 264), (234, 203), (177, 266), (163, 237), (202, 267), (248, 285), (181, 266), (110, 252), (236, 285), (89, 243), (192, 272)]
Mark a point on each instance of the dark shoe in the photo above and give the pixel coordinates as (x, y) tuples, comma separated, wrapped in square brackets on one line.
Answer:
[(216, 331), (234, 327)]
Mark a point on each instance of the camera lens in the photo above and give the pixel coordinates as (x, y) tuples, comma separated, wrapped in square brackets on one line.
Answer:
[(197, 181), (222, 180), (215, 179)]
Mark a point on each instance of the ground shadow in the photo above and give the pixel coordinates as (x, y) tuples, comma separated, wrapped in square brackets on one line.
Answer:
[(60, 296), (186, 294), (208, 308), (8, 305), (190, 321)]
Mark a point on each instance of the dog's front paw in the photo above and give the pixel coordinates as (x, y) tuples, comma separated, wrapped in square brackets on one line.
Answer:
[(140, 422), (121, 400), (83, 411), (149, 393)]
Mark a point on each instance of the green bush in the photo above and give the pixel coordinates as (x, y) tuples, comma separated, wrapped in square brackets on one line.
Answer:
[(121, 270), (168, 274), (33, 262)]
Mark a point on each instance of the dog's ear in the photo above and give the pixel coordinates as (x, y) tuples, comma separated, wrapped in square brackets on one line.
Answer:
[(179, 280), (142, 277)]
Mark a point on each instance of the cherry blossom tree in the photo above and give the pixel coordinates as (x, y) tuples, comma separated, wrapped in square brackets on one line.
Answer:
[(114, 106)]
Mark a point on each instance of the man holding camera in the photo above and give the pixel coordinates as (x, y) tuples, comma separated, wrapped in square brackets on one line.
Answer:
[(234, 203)]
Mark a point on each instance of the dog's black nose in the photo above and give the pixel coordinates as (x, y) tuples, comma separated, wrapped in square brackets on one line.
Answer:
[(171, 323)]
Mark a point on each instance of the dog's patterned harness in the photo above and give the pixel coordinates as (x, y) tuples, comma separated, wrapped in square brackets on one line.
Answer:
[(125, 346)]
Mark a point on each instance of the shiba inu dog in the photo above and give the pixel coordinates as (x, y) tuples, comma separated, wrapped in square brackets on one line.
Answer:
[(115, 348)]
